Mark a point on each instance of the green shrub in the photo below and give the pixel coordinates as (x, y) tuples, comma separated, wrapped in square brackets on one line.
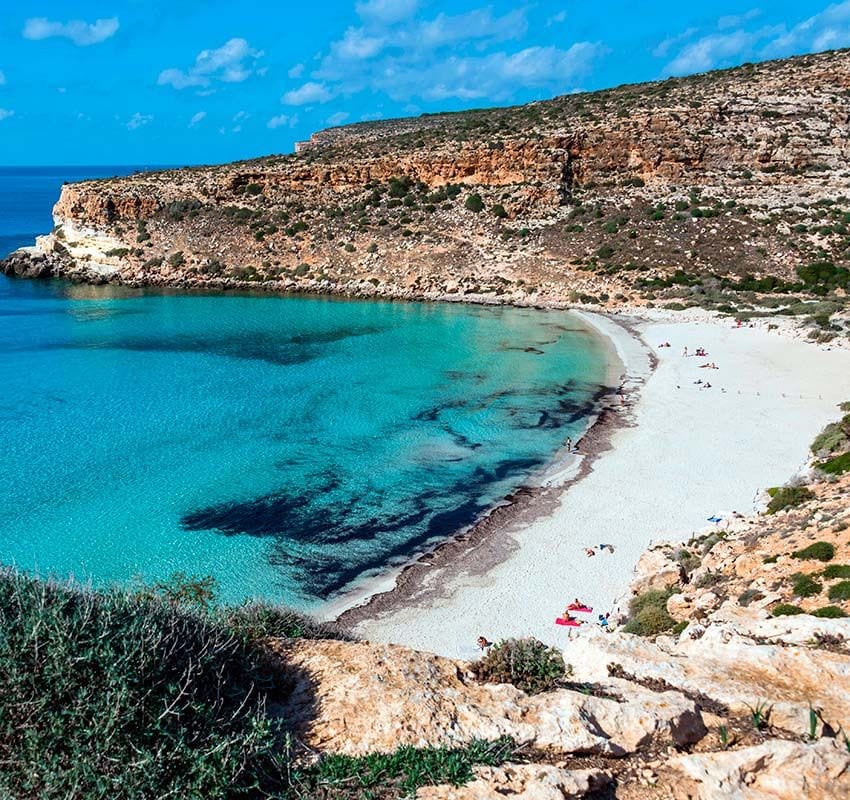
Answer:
[(839, 591), (817, 551), (111, 694), (788, 497), (833, 438), (398, 774), (498, 211), (527, 664), (256, 621), (118, 252), (829, 612), (474, 203), (177, 259), (786, 610), (836, 466), (182, 589), (836, 571), (648, 613), (806, 585)]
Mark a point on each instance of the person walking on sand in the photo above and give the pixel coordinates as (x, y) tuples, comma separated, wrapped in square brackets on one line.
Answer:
[(569, 445), (483, 644), (685, 353)]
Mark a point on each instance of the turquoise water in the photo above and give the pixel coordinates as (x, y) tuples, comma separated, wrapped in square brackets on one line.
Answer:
[(289, 447)]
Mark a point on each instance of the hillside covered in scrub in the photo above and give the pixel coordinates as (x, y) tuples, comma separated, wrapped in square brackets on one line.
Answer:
[(728, 190), (731, 678)]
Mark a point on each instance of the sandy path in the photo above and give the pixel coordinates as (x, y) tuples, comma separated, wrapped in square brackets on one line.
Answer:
[(691, 453)]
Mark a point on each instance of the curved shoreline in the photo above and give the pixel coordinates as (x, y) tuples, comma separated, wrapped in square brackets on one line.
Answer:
[(481, 546), (683, 454)]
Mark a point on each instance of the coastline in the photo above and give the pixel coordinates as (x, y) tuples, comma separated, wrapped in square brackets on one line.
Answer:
[(677, 456), (480, 544)]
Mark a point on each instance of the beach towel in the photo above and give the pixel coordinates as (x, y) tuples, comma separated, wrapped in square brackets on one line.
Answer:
[(570, 623)]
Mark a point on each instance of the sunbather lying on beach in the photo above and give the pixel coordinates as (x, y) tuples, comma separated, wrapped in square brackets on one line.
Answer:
[(589, 551), (483, 644)]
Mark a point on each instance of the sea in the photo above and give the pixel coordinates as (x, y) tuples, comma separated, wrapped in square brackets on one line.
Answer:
[(290, 447)]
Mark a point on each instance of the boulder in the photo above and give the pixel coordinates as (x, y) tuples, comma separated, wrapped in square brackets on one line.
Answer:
[(523, 782), (356, 698), (656, 570), (775, 770), (731, 669)]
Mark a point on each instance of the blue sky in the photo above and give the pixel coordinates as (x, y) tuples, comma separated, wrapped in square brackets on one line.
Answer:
[(204, 81)]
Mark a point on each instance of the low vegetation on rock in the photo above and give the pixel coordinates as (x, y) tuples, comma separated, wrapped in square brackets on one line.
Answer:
[(527, 664)]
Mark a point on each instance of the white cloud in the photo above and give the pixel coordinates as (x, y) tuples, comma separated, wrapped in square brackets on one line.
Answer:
[(498, 75), (734, 43), (196, 118), (297, 71), (5, 113), (710, 51), (663, 48), (557, 19), (356, 44), (233, 62), (387, 11), (283, 121), (79, 32), (736, 20), (475, 25), (138, 120), (310, 92), (825, 31), (445, 56), (338, 118)]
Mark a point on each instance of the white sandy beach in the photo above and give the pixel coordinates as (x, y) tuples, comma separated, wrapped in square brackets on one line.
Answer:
[(688, 454)]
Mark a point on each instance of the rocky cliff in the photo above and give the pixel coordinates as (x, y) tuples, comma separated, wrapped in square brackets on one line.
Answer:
[(713, 189)]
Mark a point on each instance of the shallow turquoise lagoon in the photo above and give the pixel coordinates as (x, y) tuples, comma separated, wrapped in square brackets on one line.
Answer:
[(289, 447)]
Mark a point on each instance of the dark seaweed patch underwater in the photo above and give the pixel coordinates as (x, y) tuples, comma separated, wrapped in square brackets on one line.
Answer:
[(285, 446)]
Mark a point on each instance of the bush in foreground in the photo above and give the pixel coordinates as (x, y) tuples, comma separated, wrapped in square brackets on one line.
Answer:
[(117, 695), (528, 664), (648, 614), (397, 774), (156, 693)]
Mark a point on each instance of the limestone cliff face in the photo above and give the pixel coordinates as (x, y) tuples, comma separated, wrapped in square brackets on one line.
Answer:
[(585, 198)]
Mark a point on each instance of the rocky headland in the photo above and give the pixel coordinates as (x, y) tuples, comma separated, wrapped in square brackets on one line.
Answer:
[(720, 190)]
